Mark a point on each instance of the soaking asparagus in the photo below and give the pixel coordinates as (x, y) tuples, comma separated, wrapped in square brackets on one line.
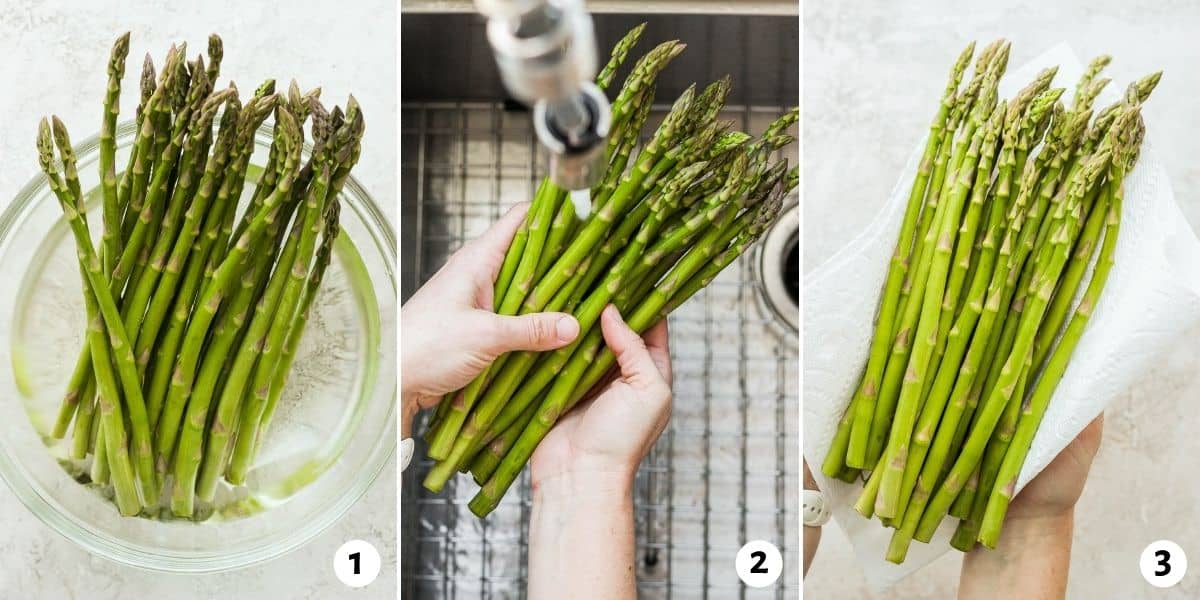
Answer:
[(170, 285)]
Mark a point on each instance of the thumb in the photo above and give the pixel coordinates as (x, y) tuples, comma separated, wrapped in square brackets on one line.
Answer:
[(537, 332), (633, 358)]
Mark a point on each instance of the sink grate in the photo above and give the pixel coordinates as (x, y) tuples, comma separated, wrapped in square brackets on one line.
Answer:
[(725, 472)]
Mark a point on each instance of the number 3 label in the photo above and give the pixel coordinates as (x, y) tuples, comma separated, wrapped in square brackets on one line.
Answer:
[(758, 564), (1163, 563)]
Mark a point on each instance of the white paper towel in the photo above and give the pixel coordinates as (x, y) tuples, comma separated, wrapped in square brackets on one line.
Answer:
[(1152, 294)]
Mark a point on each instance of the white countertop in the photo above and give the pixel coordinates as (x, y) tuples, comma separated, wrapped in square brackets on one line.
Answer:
[(873, 73), (54, 60)]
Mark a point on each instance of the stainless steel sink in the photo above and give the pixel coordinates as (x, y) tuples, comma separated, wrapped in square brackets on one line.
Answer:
[(727, 470)]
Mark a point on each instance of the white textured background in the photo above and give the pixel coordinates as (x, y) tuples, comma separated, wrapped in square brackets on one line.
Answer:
[(53, 56), (873, 73)]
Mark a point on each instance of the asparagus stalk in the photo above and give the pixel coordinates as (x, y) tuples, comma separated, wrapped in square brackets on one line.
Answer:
[(246, 355), (887, 505), (587, 314), (509, 267), (81, 437), (619, 53), (108, 152), (1000, 395), (153, 132), (296, 330), (342, 150), (224, 278), (486, 461), (1035, 406), (112, 457), (958, 335), (646, 314), (98, 284), (125, 187)]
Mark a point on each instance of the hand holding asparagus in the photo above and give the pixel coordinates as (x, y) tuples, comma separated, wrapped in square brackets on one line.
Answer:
[(1012, 202)]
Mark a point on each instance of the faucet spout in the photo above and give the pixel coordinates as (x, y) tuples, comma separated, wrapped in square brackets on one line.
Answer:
[(546, 53)]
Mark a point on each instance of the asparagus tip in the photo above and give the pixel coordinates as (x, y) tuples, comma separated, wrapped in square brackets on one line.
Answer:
[(44, 144), (122, 44)]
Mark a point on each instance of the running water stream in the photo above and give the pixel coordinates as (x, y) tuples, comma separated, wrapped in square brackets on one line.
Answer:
[(582, 199)]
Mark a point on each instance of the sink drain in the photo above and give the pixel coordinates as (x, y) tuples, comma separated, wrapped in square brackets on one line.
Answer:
[(779, 267)]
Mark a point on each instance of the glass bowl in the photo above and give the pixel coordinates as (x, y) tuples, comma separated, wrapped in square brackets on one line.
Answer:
[(332, 434)]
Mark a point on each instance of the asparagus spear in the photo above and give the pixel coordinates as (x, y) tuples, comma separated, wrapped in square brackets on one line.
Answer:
[(641, 76), (153, 131), (619, 53), (148, 82), (999, 396), (98, 284), (108, 151), (204, 251), (646, 314), (887, 504), (507, 381), (294, 333), (224, 278), (342, 150), (81, 376), (486, 461), (175, 224), (114, 452), (81, 437), (958, 335), (645, 273), (1034, 408)]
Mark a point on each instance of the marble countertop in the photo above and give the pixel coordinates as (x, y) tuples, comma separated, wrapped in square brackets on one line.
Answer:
[(873, 71), (54, 61)]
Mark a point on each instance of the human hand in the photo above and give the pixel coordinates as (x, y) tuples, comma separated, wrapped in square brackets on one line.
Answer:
[(1033, 555), (582, 472), (1057, 488), (449, 331), (596, 448)]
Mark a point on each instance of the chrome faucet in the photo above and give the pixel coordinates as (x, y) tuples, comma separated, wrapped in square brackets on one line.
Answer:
[(546, 52)]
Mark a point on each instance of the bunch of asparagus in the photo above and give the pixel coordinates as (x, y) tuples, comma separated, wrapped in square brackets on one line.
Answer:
[(666, 222), (1012, 202), (194, 314)]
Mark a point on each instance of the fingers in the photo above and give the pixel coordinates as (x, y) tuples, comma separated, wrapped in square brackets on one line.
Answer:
[(469, 273), (1089, 439), (637, 365), (658, 343), (537, 331)]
